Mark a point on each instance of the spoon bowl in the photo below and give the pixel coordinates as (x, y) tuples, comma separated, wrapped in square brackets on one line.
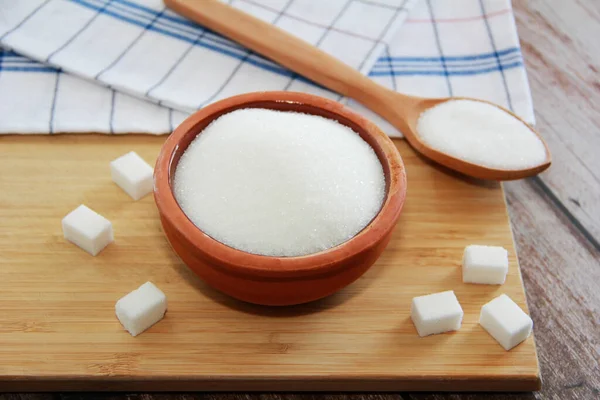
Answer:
[(463, 166), (402, 111)]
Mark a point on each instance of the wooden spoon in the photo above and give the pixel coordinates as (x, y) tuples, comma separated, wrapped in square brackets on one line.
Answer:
[(402, 111)]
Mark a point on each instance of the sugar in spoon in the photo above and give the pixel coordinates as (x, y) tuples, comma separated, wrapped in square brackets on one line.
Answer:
[(400, 110)]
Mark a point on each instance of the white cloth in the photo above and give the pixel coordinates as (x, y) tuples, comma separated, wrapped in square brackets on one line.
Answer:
[(121, 66)]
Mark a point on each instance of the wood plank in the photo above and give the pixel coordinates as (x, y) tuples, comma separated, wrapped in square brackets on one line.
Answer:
[(562, 277), (57, 302), (563, 65)]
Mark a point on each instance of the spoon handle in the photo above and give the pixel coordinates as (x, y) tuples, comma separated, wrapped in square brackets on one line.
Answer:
[(287, 50)]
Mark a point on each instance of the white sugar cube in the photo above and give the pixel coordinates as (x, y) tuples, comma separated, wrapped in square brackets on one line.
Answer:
[(485, 264), (87, 229), (436, 313), (142, 308), (132, 174), (505, 321)]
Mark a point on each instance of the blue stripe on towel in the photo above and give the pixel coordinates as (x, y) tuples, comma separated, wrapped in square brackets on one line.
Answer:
[(477, 68), (496, 55), (10, 61), (471, 57), (13, 62), (27, 69), (432, 64), (438, 44), (441, 72)]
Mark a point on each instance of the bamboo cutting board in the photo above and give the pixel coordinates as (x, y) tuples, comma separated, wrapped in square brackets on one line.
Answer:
[(58, 330)]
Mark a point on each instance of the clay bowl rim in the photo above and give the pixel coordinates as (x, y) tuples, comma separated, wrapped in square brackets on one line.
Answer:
[(249, 264)]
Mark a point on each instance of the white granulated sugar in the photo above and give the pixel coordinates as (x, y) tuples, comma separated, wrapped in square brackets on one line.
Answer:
[(279, 183), (481, 133)]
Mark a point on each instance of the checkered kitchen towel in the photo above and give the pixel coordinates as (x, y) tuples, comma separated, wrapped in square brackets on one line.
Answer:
[(120, 66)]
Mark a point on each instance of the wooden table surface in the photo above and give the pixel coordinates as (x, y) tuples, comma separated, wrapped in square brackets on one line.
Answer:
[(555, 216)]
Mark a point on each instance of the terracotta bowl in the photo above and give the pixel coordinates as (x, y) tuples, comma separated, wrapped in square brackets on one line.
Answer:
[(278, 280)]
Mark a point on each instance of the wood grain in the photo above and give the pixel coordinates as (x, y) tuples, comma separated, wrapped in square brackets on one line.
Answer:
[(562, 276), (563, 65), (57, 303)]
